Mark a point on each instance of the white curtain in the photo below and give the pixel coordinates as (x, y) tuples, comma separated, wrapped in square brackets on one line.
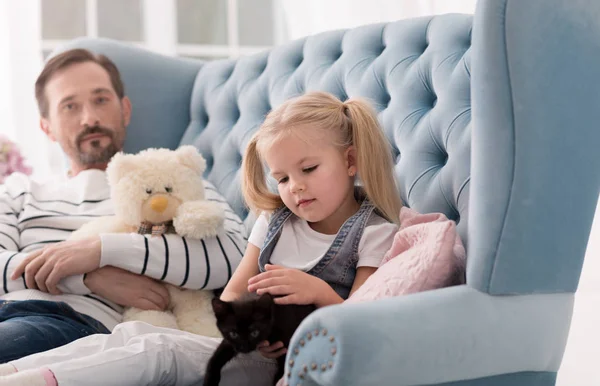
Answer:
[(20, 64), (307, 17)]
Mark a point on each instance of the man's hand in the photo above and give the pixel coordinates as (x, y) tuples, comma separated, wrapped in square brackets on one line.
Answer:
[(46, 267), (128, 289)]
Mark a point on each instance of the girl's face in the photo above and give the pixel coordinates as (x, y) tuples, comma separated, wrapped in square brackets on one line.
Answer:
[(315, 179)]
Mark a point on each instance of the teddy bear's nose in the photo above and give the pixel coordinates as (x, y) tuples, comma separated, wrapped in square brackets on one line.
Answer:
[(159, 204)]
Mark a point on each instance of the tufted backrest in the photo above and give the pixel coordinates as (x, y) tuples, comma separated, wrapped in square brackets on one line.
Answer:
[(415, 72)]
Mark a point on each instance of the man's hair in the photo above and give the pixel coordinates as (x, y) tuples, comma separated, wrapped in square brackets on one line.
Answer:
[(66, 59)]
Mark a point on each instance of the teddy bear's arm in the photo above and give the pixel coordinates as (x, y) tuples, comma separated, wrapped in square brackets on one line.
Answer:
[(199, 219)]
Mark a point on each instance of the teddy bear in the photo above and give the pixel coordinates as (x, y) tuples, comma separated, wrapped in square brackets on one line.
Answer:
[(158, 191)]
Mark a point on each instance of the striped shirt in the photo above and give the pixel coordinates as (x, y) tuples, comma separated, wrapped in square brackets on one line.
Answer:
[(34, 214)]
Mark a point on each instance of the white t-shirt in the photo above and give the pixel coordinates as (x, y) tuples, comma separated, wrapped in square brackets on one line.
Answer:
[(301, 247)]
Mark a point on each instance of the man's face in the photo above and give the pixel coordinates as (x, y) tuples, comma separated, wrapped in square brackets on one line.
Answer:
[(85, 115)]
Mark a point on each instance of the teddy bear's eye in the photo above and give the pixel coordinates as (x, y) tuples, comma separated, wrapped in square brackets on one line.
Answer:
[(168, 189), (148, 190)]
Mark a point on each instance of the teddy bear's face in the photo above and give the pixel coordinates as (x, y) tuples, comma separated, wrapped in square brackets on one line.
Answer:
[(150, 186)]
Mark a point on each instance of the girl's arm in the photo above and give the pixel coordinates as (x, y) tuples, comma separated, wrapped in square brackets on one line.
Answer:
[(362, 274), (238, 285), (329, 296)]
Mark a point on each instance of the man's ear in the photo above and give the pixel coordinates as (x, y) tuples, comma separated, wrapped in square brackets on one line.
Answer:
[(126, 105), (350, 155), (45, 126)]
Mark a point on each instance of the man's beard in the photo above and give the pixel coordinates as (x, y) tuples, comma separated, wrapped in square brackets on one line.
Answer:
[(97, 155)]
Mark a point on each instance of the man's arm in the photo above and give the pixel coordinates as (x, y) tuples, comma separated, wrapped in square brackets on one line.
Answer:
[(12, 198), (11, 204), (194, 264)]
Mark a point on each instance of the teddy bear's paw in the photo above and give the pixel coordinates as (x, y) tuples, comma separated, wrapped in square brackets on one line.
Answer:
[(194, 313), (155, 318), (199, 323), (199, 219)]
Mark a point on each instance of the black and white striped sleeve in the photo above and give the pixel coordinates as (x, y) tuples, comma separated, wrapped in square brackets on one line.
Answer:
[(11, 203), (189, 263), (12, 197)]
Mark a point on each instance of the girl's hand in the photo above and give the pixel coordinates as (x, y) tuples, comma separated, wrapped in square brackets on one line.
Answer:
[(294, 286), (271, 351)]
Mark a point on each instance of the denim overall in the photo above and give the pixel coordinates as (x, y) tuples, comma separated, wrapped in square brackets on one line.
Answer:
[(338, 266)]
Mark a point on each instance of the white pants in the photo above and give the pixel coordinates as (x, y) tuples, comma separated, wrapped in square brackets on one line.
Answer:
[(137, 353)]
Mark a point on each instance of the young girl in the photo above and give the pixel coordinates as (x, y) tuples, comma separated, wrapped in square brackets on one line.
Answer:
[(315, 242)]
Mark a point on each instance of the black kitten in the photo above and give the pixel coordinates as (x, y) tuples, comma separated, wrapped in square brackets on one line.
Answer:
[(247, 322)]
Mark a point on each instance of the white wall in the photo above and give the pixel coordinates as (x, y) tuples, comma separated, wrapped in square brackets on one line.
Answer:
[(20, 64), (582, 356)]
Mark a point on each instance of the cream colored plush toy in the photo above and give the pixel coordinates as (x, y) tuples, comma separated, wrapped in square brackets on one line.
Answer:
[(157, 191)]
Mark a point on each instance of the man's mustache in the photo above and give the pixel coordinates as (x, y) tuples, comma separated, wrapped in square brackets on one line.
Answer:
[(93, 130)]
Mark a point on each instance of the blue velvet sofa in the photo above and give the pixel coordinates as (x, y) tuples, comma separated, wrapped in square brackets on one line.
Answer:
[(494, 121)]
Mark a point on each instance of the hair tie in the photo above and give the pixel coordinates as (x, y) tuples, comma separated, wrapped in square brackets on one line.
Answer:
[(345, 109)]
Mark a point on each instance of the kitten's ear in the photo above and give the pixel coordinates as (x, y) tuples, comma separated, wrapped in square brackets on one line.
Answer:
[(220, 307)]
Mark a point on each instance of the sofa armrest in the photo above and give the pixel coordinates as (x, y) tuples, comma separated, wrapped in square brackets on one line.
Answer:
[(445, 335)]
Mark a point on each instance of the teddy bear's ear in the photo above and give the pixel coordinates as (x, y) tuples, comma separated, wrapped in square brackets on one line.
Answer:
[(119, 166), (188, 155)]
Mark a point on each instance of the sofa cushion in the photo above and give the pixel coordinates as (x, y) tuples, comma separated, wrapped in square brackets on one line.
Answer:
[(426, 254)]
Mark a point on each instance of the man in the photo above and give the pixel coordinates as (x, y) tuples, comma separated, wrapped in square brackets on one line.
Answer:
[(46, 300)]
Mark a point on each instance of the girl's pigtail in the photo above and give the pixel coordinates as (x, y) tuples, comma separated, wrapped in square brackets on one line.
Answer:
[(373, 158), (254, 185)]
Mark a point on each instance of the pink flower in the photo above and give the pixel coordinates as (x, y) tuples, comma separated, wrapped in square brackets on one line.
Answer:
[(11, 160)]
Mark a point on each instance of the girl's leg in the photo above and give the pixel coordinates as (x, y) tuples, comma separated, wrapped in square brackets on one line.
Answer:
[(141, 354)]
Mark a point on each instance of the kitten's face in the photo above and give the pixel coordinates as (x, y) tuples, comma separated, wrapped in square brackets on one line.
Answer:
[(245, 323)]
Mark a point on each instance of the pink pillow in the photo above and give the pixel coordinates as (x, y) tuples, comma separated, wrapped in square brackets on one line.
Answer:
[(426, 254)]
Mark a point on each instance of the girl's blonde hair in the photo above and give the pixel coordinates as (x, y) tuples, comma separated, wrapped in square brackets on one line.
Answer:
[(355, 124)]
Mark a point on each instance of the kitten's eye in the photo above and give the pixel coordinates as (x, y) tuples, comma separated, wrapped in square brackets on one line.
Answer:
[(148, 190), (233, 334), (254, 333), (168, 189)]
